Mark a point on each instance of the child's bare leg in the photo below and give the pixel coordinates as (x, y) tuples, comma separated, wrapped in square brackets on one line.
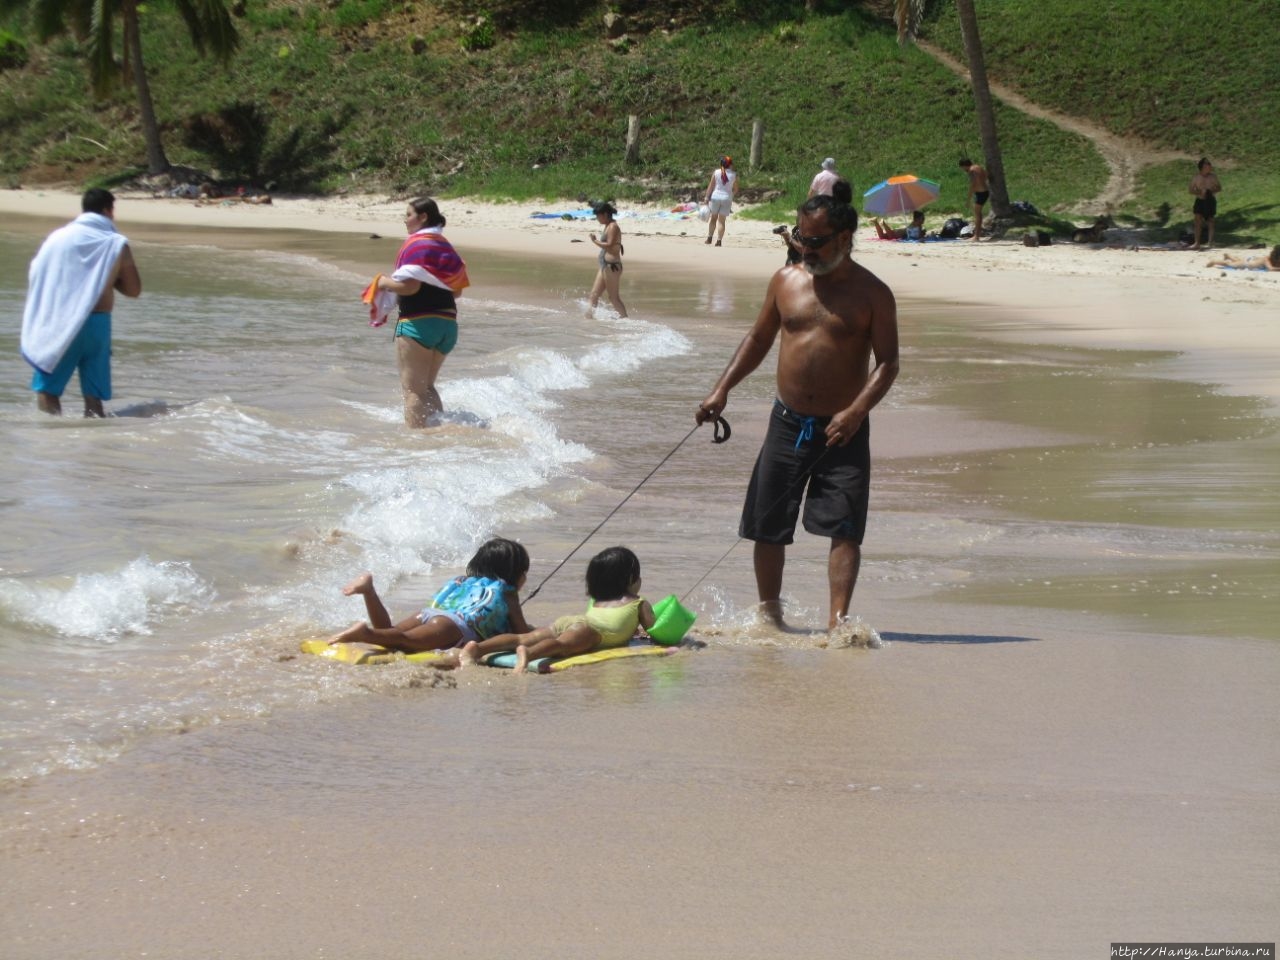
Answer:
[(356, 633), (579, 638), (473, 651), (438, 633), (410, 636), (522, 659), (363, 585)]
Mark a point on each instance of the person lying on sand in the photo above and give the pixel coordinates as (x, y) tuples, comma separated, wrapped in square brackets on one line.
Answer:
[(1269, 262), (913, 232)]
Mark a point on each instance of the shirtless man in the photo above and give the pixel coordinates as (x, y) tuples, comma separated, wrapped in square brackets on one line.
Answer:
[(981, 190), (1205, 187), (85, 243), (833, 316)]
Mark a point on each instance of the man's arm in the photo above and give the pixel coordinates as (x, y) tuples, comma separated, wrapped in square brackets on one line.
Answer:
[(128, 281), (755, 346), (884, 347)]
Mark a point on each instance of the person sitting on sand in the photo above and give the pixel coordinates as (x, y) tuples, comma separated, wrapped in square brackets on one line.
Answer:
[(479, 605), (615, 611), (1271, 261), (913, 232)]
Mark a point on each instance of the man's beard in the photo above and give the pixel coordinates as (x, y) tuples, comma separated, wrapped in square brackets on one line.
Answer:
[(822, 267)]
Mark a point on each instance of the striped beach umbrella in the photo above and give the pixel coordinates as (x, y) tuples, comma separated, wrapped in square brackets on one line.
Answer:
[(901, 194)]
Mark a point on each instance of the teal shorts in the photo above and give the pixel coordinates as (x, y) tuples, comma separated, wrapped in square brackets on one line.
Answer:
[(434, 333), (90, 353)]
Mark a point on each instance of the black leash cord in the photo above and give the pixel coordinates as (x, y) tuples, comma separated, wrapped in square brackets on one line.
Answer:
[(717, 437), (785, 493)]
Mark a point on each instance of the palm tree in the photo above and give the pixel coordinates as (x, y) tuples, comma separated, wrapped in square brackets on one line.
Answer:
[(93, 23), (908, 14)]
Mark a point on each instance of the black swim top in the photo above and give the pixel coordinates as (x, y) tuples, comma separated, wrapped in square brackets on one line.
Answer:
[(429, 301)]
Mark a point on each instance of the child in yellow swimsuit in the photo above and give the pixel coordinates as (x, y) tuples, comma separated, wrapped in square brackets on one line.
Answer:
[(615, 611)]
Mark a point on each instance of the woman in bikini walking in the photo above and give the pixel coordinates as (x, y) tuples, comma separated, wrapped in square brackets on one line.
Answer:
[(609, 274)]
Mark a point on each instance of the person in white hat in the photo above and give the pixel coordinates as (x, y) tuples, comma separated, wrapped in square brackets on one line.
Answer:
[(825, 179)]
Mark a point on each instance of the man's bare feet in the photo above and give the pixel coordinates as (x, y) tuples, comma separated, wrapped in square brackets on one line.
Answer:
[(522, 659), (771, 613), (361, 584)]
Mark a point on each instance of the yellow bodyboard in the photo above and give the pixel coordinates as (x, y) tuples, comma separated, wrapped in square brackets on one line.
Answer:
[(549, 664), (367, 653), (614, 653)]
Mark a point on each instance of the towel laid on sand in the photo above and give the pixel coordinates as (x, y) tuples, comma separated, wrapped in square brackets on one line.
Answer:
[(67, 276)]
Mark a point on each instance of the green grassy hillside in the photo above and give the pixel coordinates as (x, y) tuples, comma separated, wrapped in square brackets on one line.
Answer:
[(325, 97), (1200, 77)]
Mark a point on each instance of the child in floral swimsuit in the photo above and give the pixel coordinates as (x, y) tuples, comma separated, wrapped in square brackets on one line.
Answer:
[(469, 608)]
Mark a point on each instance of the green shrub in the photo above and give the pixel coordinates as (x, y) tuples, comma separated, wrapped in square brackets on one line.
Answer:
[(479, 36), (13, 52)]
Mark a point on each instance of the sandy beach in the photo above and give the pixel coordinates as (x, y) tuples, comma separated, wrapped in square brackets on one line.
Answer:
[(1121, 294), (1012, 775)]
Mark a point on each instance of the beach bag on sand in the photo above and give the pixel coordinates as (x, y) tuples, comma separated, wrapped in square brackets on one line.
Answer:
[(951, 229)]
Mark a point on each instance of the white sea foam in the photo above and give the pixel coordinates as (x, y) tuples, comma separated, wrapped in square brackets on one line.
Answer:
[(107, 606), (634, 343)]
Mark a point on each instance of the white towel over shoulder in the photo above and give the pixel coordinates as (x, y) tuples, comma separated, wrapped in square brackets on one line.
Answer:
[(67, 276)]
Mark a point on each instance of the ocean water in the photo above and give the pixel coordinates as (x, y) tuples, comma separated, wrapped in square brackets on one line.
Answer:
[(159, 567)]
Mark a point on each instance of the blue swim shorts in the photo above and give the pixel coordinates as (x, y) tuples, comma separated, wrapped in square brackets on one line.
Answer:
[(434, 333), (90, 353)]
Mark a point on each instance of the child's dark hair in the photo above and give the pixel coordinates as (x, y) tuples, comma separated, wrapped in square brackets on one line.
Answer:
[(500, 559), (611, 573)]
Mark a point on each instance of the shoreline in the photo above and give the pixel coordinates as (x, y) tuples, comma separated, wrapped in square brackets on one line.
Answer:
[(1111, 297), (995, 752)]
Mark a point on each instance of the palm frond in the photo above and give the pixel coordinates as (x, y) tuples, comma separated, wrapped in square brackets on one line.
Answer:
[(100, 46), (211, 27)]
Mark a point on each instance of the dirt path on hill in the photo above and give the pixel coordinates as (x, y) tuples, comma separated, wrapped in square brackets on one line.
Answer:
[(1125, 157)]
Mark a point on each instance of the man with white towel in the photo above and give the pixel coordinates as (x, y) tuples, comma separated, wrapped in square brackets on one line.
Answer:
[(71, 288)]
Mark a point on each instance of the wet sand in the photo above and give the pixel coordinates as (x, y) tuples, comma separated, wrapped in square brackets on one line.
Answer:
[(1062, 745)]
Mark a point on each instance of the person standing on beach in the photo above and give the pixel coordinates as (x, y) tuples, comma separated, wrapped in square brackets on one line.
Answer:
[(609, 274), (1205, 187), (981, 190), (72, 283), (428, 278), (832, 316), (824, 180), (720, 193)]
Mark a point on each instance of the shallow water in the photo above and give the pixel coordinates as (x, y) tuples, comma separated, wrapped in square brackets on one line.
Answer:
[(156, 564), (1058, 536)]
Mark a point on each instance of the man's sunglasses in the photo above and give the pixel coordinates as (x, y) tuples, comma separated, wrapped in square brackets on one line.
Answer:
[(812, 243)]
